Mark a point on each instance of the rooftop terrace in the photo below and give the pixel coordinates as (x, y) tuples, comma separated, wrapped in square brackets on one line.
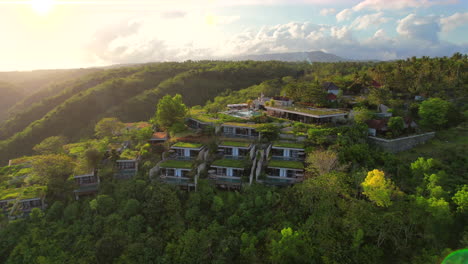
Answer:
[(187, 145), (286, 164), (29, 192), (178, 164), (313, 112), (293, 145), (240, 144), (229, 163)]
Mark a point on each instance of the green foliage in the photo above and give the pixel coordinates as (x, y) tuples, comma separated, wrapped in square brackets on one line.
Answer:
[(362, 114), (108, 127), (50, 145), (396, 125), (170, 111), (434, 113), (269, 132), (461, 199)]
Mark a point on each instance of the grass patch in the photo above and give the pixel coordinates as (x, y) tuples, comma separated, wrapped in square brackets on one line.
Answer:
[(286, 164), (29, 192), (237, 124), (179, 164), (230, 163), (311, 111), (294, 145), (235, 144), (187, 145)]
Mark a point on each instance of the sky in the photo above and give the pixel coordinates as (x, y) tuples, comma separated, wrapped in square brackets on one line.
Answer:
[(46, 34)]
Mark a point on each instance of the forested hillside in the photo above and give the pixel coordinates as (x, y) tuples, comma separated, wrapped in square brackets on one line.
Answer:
[(74, 111), (356, 203), (9, 96)]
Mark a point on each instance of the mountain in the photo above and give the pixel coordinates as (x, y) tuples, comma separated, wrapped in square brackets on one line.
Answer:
[(9, 95), (310, 56)]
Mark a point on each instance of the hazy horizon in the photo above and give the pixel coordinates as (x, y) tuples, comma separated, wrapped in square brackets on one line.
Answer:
[(60, 34)]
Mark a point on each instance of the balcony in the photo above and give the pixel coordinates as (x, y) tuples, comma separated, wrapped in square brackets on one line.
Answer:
[(220, 179)]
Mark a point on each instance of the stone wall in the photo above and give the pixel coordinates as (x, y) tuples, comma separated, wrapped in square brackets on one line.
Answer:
[(401, 144)]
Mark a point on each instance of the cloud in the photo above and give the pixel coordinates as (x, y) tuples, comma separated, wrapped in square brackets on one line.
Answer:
[(419, 28), (454, 21), (173, 14), (345, 14), (398, 4), (365, 21), (327, 11), (138, 41)]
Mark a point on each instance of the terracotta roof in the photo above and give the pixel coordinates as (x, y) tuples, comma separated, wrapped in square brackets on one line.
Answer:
[(159, 136), (376, 84), (331, 96), (330, 86), (138, 125), (377, 124)]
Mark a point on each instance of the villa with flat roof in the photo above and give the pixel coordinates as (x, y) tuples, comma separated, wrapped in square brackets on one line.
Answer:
[(235, 149), (284, 172), (227, 173), (178, 172), (287, 151), (306, 114), (199, 119), (185, 150), (240, 130), (18, 202), (88, 184), (126, 169)]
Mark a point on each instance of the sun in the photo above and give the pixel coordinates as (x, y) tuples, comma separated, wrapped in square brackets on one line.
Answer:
[(42, 7)]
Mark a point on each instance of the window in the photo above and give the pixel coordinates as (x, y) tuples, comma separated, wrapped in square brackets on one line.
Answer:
[(221, 171), (228, 130), (228, 151)]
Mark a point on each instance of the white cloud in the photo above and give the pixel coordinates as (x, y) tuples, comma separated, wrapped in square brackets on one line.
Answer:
[(345, 14), (137, 41), (454, 21), (327, 11), (398, 4), (365, 21), (420, 28)]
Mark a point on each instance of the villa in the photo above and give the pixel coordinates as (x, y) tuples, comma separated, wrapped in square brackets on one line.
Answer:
[(284, 172), (18, 202), (126, 169), (242, 130), (287, 151), (88, 184), (178, 172), (306, 114), (185, 150), (236, 149), (227, 173)]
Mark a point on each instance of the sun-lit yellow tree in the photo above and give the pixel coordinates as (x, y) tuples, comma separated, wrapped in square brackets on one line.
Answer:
[(379, 189)]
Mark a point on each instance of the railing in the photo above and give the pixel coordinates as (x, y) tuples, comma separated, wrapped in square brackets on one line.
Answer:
[(287, 158), (224, 179), (281, 181), (176, 180)]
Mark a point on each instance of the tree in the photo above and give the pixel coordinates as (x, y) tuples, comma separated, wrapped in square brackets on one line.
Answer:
[(108, 127), (434, 113), (396, 125), (461, 199), (379, 189), (51, 145), (362, 114), (170, 110), (54, 171), (269, 132), (323, 162)]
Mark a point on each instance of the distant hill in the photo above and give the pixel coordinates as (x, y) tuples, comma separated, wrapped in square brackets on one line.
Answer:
[(310, 56), (9, 95)]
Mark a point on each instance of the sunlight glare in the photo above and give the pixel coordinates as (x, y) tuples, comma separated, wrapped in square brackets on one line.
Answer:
[(42, 7)]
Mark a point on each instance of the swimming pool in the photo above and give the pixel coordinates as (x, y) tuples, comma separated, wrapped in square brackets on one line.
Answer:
[(244, 113)]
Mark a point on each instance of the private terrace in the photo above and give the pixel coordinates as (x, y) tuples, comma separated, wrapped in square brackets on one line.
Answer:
[(241, 130), (17, 202), (235, 149)]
